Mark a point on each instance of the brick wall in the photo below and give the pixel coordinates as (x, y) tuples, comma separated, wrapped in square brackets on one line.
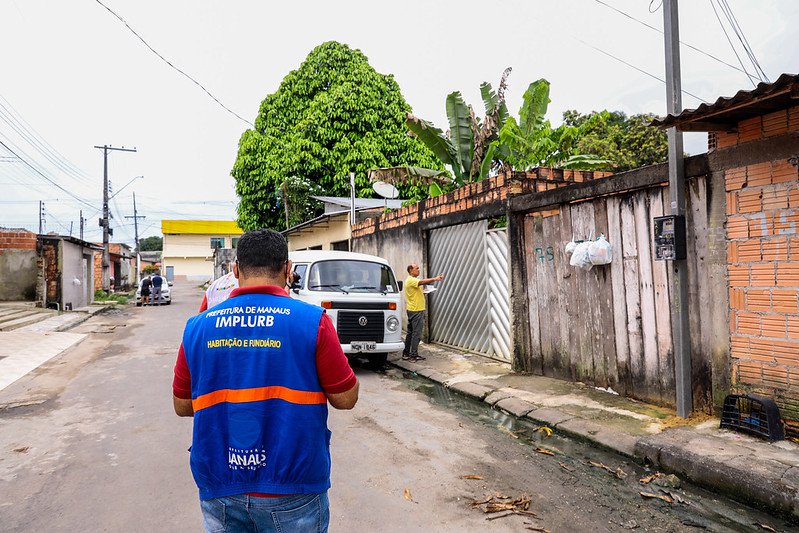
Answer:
[(475, 195), (52, 276), (98, 271), (17, 239), (763, 263)]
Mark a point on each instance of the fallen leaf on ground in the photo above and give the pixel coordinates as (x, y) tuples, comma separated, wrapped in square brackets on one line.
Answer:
[(544, 451), (656, 496), (519, 505), (566, 467), (767, 528), (24, 449), (619, 473), (472, 477), (533, 528), (546, 430), (407, 495), (650, 478)]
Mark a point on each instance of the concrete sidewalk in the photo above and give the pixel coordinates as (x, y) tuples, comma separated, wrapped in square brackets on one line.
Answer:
[(29, 347), (745, 468)]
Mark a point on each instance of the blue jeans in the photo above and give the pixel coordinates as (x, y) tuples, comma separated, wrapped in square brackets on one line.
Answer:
[(288, 514)]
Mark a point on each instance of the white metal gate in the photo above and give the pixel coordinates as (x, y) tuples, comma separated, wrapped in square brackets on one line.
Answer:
[(472, 308)]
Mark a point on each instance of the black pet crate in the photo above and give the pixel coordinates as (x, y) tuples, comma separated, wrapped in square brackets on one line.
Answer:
[(752, 414)]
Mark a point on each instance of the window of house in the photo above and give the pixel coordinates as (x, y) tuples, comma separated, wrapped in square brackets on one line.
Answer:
[(235, 242), (217, 242)]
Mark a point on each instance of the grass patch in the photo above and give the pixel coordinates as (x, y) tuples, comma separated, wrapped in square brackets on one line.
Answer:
[(120, 298)]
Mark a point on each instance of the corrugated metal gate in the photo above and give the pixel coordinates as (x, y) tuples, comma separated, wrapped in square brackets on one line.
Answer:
[(472, 308)]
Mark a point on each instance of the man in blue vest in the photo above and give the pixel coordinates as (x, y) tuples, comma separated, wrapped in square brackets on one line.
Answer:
[(257, 372)]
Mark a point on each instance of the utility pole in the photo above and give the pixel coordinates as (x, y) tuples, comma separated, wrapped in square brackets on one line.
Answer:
[(41, 216), (136, 218), (104, 221), (681, 334), (81, 224), (70, 227)]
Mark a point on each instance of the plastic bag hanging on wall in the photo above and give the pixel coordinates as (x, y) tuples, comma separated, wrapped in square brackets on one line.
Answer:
[(600, 251), (580, 257)]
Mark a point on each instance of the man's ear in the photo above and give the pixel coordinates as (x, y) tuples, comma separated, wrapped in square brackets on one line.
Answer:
[(289, 267), (236, 269)]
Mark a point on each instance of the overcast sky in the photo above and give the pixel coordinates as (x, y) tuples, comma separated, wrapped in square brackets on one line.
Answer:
[(77, 77)]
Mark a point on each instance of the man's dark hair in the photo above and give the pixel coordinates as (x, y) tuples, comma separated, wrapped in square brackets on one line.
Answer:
[(262, 252), (410, 267)]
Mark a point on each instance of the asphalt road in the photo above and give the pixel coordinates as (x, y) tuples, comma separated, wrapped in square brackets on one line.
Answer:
[(89, 442)]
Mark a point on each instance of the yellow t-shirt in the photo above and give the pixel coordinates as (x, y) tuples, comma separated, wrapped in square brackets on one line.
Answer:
[(413, 294)]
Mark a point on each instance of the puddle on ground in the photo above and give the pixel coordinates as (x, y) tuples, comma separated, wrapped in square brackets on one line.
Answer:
[(707, 510)]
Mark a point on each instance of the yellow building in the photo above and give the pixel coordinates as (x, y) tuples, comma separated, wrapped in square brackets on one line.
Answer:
[(189, 246)]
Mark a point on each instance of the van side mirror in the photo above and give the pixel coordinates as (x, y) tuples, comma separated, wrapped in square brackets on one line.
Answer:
[(400, 285)]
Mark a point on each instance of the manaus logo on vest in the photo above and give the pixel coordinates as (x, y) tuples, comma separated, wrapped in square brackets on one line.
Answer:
[(239, 459)]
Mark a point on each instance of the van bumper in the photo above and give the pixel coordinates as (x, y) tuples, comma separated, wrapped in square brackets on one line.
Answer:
[(380, 348)]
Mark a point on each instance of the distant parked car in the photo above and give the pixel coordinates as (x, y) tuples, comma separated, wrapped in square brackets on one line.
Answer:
[(166, 294)]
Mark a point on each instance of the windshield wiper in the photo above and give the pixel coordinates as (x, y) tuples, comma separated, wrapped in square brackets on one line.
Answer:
[(369, 287), (329, 286)]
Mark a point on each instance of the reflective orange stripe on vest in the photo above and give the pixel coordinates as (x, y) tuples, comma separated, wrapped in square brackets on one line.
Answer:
[(258, 394)]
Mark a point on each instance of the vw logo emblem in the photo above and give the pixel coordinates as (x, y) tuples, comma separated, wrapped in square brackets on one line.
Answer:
[(362, 321)]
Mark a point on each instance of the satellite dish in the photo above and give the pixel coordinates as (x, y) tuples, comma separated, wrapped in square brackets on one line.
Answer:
[(386, 190)]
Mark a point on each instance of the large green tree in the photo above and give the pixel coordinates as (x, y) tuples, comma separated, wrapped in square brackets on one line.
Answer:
[(333, 115), (628, 142), (151, 244)]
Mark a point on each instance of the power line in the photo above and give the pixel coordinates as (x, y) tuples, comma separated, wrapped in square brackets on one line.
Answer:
[(13, 118), (725, 7), (734, 51), (642, 71), (692, 47), (26, 163), (165, 60)]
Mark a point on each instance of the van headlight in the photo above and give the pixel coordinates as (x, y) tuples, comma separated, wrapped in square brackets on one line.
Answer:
[(392, 324)]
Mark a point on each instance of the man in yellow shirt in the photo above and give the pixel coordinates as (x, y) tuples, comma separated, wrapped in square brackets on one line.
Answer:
[(415, 307)]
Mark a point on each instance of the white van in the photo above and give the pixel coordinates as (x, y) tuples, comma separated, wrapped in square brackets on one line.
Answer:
[(361, 295)]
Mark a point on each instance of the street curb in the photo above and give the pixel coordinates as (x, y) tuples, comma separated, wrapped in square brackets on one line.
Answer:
[(83, 317), (766, 483)]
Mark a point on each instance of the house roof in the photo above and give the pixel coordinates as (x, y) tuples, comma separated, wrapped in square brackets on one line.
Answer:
[(725, 113), (200, 227), (360, 203), (68, 238)]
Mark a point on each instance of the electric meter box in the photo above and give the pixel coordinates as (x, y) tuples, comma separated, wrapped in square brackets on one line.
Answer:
[(670, 238)]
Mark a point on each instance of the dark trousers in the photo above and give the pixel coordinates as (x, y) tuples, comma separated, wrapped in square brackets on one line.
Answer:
[(415, 328)]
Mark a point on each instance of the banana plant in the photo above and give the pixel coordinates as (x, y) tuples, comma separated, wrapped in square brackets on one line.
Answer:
[(466, 147), (532, 142)]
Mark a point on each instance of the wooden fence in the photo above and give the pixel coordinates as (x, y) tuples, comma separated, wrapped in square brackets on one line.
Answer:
[(611, 326)]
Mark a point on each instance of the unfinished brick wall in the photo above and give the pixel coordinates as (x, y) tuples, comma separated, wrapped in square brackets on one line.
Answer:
[(98, 271), (491, 191), (17, 239), (763, 264)]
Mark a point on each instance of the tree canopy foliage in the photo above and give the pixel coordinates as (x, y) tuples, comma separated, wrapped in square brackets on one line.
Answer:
[(333, 115), (151, 244), (628, 142)]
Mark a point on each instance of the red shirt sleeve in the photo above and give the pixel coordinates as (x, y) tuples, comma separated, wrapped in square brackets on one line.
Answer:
[(181, 384), (204, 304), (335, 374)]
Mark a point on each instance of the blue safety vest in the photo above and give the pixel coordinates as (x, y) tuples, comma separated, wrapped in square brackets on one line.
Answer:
[(260, 415)]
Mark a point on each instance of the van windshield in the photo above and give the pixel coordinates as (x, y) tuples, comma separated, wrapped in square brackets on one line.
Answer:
[(351, 276)]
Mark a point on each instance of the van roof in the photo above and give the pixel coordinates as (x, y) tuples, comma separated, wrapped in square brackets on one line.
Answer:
[(309, 256)]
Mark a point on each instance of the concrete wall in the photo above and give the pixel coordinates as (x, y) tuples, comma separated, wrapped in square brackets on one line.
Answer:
[(18, 270), (191, 255), (75, 281)]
